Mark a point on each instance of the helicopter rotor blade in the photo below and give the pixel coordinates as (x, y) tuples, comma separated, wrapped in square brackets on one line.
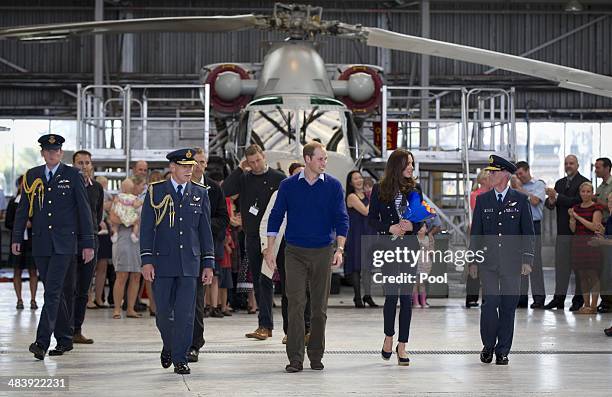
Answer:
[(566, 77), (167, 24)]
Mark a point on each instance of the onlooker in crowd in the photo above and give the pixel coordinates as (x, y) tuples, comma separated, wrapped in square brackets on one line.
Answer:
[(254, 182), (316, 213), (126, 259), (585, 221), (126, 206), (141, 169), (472, 284), (482, 185), (357, 204), (536, 192), (563, 197), (105, 250), (25, 260), (602, 170), (155, 176), (219, 220), (368, 184), (279, 247), (84, 270)]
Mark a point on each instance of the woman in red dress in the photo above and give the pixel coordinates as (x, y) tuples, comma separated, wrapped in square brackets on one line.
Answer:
[(585, 220)]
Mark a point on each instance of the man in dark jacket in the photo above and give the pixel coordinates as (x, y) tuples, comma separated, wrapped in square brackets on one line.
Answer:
[(219, 219), (564, 196)]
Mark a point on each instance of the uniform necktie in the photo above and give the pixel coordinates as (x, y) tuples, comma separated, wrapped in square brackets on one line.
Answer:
[(50, 176), (499, 199), (179, 192)]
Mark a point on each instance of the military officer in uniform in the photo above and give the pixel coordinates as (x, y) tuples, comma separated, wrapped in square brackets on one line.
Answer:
[(58, 209), (503, 229), (175, 239)]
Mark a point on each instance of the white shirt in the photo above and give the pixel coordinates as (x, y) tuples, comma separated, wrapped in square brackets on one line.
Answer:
[(54, 170), (176, 185), (502, 193)]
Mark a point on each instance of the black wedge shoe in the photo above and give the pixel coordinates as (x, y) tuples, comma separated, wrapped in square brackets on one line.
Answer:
[(401, 361)]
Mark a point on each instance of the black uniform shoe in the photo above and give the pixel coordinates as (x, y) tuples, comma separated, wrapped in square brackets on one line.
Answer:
[(316, 365), (537, 305), (554, 304), (60, 350), (37, 350), (182, 369), (471, 304), (603, 308), (575, 307), (192, 356), (522, 305), (294, 366), (358, 303), (501, 359), (608, 331), (486, 356), (166, 359)]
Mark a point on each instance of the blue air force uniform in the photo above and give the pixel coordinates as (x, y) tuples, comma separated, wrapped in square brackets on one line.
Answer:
[(176, 239), (502, 228), (57, 205)]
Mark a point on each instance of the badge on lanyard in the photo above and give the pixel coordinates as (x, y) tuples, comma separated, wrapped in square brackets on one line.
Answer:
[(254, 210)]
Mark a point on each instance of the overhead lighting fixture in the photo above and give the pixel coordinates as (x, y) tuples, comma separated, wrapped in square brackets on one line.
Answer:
[(573, 6)]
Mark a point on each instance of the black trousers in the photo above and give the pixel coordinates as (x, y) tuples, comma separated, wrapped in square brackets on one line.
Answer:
[(52, 271), (262, 285), (198, 324), (563, 270), (84, 275), (500, 295), (537, 274)]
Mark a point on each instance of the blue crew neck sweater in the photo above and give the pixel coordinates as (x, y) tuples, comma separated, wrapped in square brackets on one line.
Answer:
[(315, 213)]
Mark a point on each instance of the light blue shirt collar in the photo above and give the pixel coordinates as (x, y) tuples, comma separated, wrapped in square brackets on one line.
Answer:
[(302, 176), (175, 185), (54, 170), (502, 193)]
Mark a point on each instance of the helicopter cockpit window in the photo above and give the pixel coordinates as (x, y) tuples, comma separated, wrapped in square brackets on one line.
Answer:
[(279, 129)]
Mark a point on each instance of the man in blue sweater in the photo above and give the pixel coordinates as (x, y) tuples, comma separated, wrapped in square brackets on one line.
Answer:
[(314, 204)]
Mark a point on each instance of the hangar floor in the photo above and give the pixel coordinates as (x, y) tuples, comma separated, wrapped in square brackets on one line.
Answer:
[(555, 353)]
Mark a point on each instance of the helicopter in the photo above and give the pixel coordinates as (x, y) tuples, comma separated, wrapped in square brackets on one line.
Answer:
[(293, 96)]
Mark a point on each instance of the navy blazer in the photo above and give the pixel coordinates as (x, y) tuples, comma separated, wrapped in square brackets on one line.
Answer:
[(61, 213), (182, 242), (505, 233), (382, 215)]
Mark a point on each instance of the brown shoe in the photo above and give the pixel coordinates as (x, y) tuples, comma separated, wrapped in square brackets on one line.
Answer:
[(260, 334), (79, 338), (306, 339)]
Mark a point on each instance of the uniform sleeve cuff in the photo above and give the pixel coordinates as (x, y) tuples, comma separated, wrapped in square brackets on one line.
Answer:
[(272, 234)]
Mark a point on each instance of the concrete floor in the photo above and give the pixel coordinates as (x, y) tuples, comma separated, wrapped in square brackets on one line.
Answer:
[(554, 353)]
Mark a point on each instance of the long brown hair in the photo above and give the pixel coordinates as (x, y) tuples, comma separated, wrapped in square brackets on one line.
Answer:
[(393, 180)]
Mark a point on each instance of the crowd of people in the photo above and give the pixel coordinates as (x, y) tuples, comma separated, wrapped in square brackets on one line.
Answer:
[(278, 230)]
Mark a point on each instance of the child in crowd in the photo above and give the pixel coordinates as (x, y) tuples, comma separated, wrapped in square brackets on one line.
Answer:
[(126, 207)]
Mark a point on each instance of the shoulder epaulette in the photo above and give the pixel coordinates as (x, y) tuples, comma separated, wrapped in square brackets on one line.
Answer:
[(156, 182), (201, 185)]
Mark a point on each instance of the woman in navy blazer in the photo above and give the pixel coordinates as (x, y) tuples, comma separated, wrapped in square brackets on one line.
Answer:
[(387, 202)]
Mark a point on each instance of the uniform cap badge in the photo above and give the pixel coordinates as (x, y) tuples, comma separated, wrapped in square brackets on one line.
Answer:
[(52, 139), (188, 154)]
